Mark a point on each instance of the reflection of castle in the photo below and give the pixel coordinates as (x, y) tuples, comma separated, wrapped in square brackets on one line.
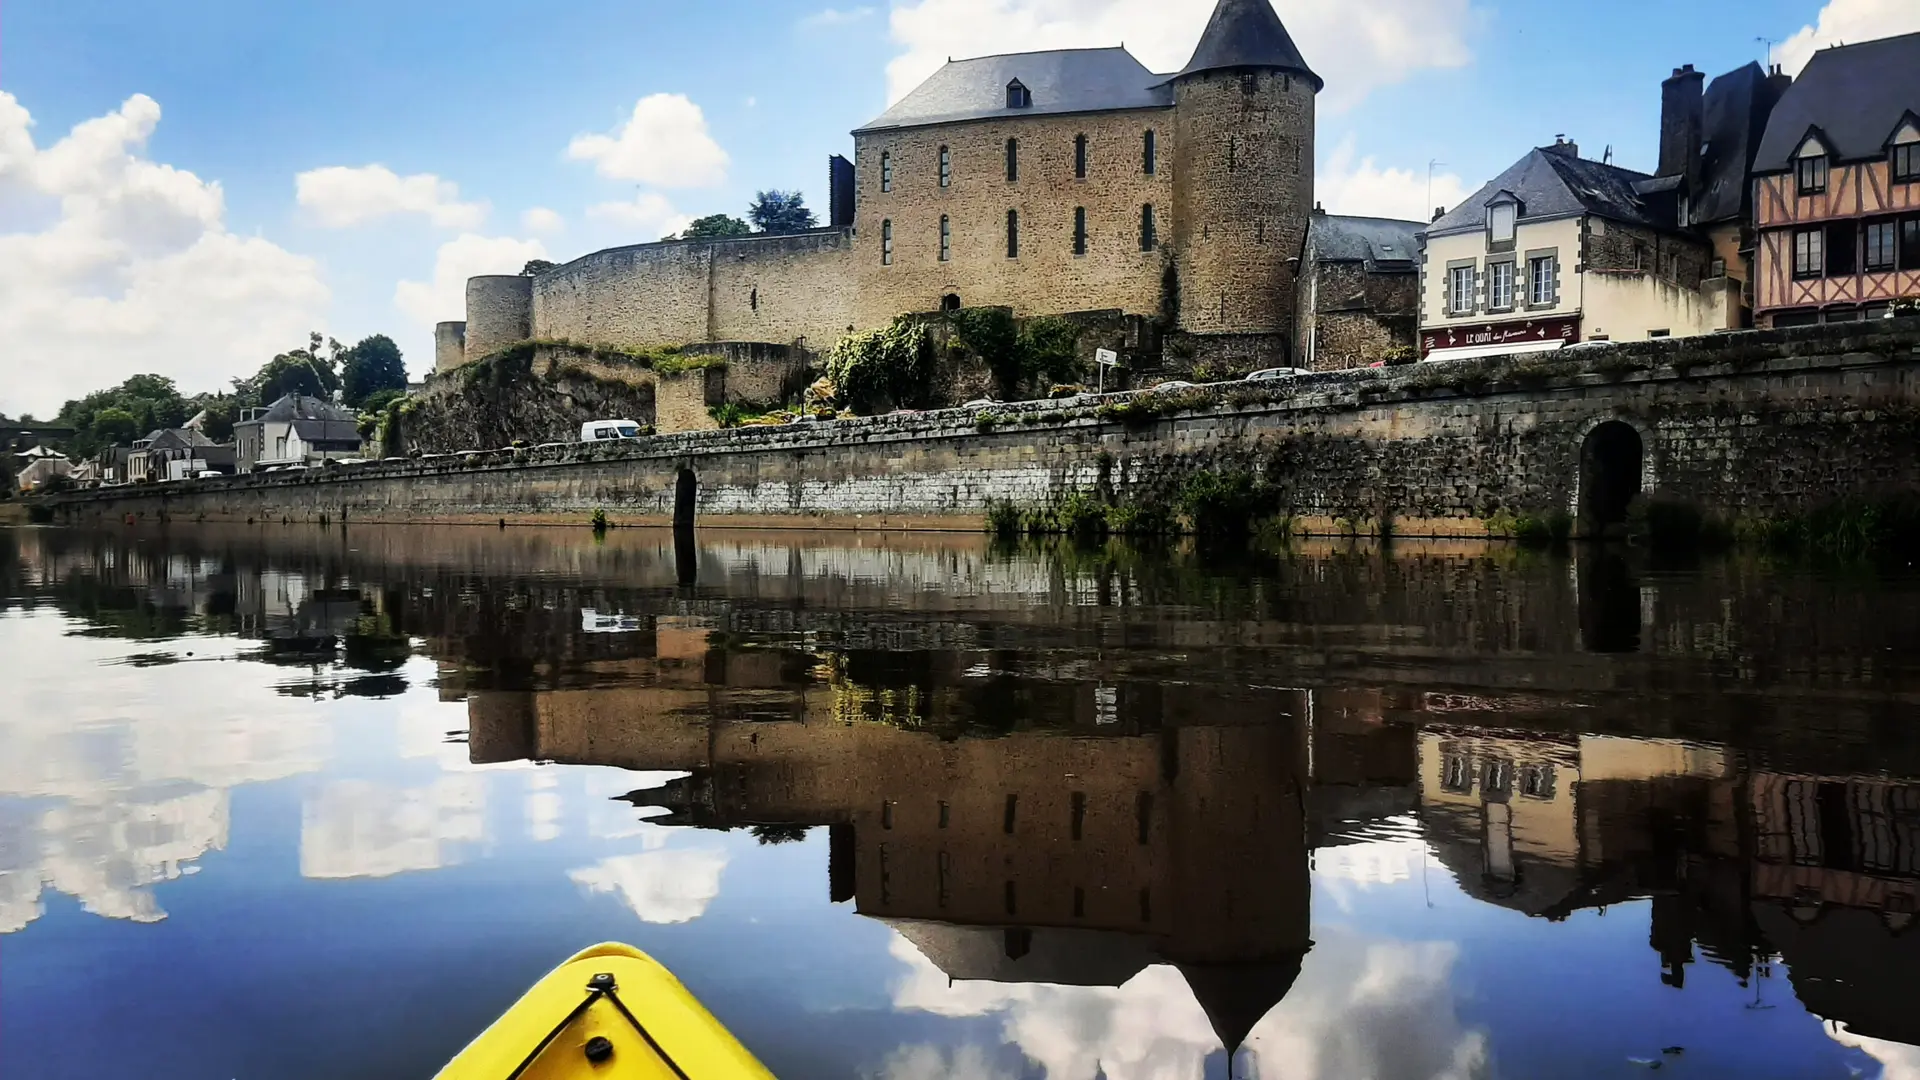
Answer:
[(1746, 863), (1033, 857)]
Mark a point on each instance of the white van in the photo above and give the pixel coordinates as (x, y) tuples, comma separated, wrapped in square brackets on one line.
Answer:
[(609, 430)]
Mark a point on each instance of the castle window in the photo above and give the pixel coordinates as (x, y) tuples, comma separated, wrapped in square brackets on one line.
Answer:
[(1013, 160), (1149, 153), (1249, 82), (1018, 96), (753, 299), (886, 172), (886, 243), (1013, 234), (1149, 232), (946, 167), (946, 238), (1809, 253), (1233, 154), (1079, 230), (1080, 157)]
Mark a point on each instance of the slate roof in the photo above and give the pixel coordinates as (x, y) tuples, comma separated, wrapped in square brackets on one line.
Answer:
[(176, 439), (1549, 184), (1855, 94), (313, 432), (1381, 243), (301, 407), (1734, 121), (1062, 81), (1247, 34)]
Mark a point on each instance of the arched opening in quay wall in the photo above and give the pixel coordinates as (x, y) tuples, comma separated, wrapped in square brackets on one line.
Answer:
[(1612, 461)]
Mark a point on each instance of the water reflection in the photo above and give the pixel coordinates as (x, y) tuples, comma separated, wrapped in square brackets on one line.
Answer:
[(1107, 813)]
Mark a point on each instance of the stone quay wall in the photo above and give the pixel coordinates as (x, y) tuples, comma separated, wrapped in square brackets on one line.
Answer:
[(1754, 424)]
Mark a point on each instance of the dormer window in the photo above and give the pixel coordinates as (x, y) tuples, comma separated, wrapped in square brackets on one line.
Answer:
[(1018, 96), (1810, 168), (1904, 153), (1503, 220)]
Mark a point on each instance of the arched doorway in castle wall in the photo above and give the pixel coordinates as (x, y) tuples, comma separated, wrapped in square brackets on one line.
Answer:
[(1612, 465)]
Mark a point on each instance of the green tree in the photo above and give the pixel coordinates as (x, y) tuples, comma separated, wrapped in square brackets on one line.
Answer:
[(536, 266), (779, 213), (308, 371), (114, 426), (149, 401), (715, 227), (371, 366)]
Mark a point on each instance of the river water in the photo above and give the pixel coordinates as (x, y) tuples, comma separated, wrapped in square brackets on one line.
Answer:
[(287, 802)]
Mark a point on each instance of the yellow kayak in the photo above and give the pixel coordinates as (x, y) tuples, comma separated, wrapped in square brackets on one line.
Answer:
[(610, 1013)]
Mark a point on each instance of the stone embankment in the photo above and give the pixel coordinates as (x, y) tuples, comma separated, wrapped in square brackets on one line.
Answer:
[(1749, 424)]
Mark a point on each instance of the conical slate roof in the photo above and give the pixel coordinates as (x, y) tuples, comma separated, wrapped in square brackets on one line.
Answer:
[(1247, 34), (1238, 996)]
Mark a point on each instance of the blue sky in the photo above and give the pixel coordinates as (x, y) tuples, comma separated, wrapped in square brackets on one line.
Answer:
[(113, 261)]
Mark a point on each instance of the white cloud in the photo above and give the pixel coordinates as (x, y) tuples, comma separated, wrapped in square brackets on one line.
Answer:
[(835, 17), (660, 886), (340, 197), (1360, 1008), (1898, 1061), (542, 221), (664, 143), (649, 215), (924, 1062), (1350, 184), (1356, 48), (1848, 22), (112, 265), (468, 255)]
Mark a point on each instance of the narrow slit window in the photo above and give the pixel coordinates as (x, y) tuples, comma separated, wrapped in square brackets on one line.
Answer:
[(886, 243), (1013, 234), (946, 238), (886, 172), (1013, 160), (1149, 229), (1079, 230), (1149, 153), (946, 167), (1233, 154), (1013, 806), (1079, 157)]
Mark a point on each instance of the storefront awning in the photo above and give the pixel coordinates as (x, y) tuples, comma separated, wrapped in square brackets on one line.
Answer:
[(1512, 349)]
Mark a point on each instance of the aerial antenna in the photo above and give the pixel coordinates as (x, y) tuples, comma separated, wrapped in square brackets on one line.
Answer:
[(1606, 156), (1768, 43)]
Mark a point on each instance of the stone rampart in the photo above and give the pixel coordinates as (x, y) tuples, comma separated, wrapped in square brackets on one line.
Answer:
[(499, 313), (782, 289), (1759, 423)]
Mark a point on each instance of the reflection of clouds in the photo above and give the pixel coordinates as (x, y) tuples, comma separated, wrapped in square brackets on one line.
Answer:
[(1898, 1061), (935, 1063), (660, 886), (1360, 1008), (358, 829), (114, 778)]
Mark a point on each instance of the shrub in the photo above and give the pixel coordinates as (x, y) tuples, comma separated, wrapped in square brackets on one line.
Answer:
[(1140, 519), (599, 519), (1548, 530), (1043, 350), (1220, 504), (1003, 518), (892, 365)]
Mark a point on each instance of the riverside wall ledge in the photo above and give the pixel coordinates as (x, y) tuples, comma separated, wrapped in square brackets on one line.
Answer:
[(1760, 423)]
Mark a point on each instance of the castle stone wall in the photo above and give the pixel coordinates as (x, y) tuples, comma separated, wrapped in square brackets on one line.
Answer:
[(1749, 424), (449, 345), (1047, 278), (786, 290), (1245, 163), (499, 313)]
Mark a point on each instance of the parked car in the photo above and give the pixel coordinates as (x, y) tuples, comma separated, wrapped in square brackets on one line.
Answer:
[(980, 403), (609, 430), (1175, 384), (1272, 374), (208, 474)]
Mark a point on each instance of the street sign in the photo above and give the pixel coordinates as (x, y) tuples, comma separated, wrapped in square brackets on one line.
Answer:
[(1106, 357)]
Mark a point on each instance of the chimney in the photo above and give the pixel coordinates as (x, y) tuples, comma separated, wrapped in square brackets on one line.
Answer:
[(1319, 210), (1563, 147), (1439, 212), (839, 192), (1682, 124)]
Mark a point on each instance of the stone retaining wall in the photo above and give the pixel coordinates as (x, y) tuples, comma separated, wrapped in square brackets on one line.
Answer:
[(1759, 423)]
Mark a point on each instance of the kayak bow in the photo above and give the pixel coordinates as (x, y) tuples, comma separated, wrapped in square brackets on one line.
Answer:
[(610, 1013)]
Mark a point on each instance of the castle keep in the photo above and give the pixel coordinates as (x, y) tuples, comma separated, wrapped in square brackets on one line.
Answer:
[(1051, 183)]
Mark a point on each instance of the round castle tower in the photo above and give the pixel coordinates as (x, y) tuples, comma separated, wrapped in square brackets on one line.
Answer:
[(1243, 169), (499, 313)]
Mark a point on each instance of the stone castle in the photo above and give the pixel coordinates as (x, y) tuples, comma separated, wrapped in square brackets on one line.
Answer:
[(1053, 183)]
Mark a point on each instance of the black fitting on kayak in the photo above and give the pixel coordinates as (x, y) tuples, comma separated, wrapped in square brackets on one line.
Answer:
[(602, 982), (599, 1048)]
